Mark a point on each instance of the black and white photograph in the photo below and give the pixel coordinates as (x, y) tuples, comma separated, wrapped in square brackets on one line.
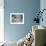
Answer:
[(16, 18)]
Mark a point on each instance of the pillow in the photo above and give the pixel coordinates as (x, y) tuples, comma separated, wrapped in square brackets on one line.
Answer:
[(21, 42)]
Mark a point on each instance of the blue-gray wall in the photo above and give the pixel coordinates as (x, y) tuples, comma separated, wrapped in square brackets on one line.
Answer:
[(29, 8)]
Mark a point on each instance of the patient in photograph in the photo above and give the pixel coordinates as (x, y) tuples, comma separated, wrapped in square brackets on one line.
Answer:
[(17, 18)]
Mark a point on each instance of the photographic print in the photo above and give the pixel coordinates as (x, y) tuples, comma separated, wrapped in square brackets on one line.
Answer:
[(16, 18)]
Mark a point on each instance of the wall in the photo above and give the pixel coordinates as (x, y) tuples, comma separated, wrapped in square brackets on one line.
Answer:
[(43, 6), (28, 7), (1, 20)]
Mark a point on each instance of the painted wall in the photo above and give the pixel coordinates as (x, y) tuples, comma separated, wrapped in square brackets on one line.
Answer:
[(29, 8)]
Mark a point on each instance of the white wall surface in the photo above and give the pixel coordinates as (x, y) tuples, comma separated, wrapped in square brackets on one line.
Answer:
[(1, 21), (43, 6)]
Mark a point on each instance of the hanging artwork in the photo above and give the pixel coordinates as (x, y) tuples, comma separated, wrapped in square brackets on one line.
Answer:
[(16, 18)]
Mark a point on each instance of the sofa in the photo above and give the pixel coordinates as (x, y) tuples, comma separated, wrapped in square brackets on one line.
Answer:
[(39, 33)]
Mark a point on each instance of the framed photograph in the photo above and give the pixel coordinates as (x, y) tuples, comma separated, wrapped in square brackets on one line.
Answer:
[(16, 18)]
